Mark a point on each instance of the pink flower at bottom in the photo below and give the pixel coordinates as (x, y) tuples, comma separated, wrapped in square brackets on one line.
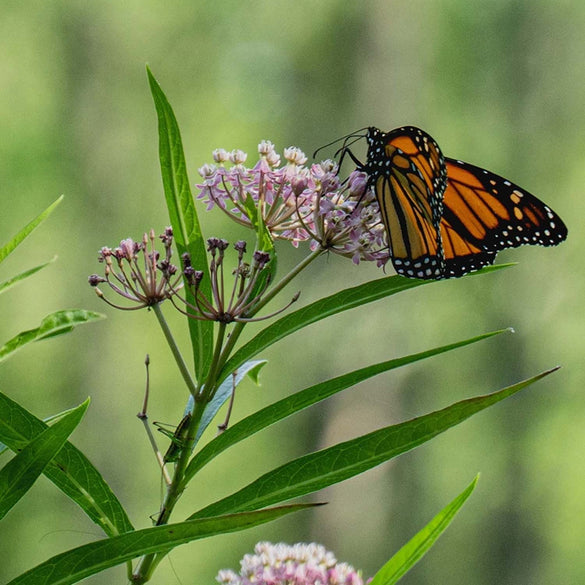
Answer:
[(284, 564)]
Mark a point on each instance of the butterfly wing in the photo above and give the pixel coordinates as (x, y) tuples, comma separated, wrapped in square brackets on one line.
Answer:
[(484, 213), (425, 153), (444, 217), (414, 242), (407, 170)]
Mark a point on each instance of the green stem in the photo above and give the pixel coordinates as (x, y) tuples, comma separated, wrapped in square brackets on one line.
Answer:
[(235, 334), (274, 290), (148, 563), (175, 350), (209, 387)]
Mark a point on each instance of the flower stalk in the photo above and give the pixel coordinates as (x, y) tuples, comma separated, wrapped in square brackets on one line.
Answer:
[(292, 202), (189, 382)]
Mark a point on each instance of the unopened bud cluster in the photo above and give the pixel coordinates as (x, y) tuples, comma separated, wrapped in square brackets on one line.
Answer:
[(250, 282), (136, 272)]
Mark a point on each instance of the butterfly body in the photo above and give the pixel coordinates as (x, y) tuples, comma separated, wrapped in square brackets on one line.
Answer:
[(445, 217)]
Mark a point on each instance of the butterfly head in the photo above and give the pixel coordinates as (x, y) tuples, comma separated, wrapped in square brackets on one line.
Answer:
[(375, 139), (373, 134)]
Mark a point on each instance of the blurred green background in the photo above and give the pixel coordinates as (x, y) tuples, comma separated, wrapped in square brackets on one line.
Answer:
[(499, 84)]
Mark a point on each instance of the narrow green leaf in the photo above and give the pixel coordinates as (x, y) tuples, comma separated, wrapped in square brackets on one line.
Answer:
[(4, 286), (53, 324), (70, 470), (417, 546), (81, 562), (331, 305), (20, 473), (186, 229), (4, 448), (315, 471), (223, 393), (27, 229), (305, 398)]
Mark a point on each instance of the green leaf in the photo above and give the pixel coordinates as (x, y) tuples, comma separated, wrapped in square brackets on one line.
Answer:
[(70, 470), (331, 305), (81, 562), (315, 471), (186, 229), (417, 546), (27, 229), (47, 420), (305, 398), (223, 393), (53, 324), (20, 473), (254, 372), (4, 286)]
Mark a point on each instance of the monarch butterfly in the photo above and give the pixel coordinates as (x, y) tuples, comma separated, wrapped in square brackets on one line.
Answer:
[(445, 217)]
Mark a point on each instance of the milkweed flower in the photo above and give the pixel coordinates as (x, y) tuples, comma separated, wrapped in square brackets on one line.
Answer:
[(297, 202), (297, 564), (136, 272)]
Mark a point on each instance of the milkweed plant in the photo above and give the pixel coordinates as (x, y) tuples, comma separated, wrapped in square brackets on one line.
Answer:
[(220, 287)]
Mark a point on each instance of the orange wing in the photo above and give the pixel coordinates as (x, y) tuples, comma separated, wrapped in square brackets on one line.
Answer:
[(444, 217), (484, 213), (407, 171), (424, 152)]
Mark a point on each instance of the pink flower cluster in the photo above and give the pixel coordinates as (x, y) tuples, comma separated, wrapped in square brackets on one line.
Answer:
[(298, 564), (296, 202)]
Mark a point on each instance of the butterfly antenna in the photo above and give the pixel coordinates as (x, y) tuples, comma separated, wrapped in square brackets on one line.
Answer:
[(346, 144), (357, 134)]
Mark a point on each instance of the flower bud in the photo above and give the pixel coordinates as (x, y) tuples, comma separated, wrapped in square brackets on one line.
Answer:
[(95, 279), (207, 171), (220, 155), (238, 157), (295, 155), (261, 258), (357, 184)]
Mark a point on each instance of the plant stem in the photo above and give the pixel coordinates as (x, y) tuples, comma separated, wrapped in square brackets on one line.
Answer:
[(274, 290), (175, 350), (201, 395), (209, 386), (238, 328), (148, 563)]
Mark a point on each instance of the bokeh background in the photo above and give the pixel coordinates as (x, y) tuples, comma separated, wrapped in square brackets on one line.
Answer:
[(499, 84)]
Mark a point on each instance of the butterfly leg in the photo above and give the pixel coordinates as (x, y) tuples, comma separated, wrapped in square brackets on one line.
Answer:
[(351, 155)]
